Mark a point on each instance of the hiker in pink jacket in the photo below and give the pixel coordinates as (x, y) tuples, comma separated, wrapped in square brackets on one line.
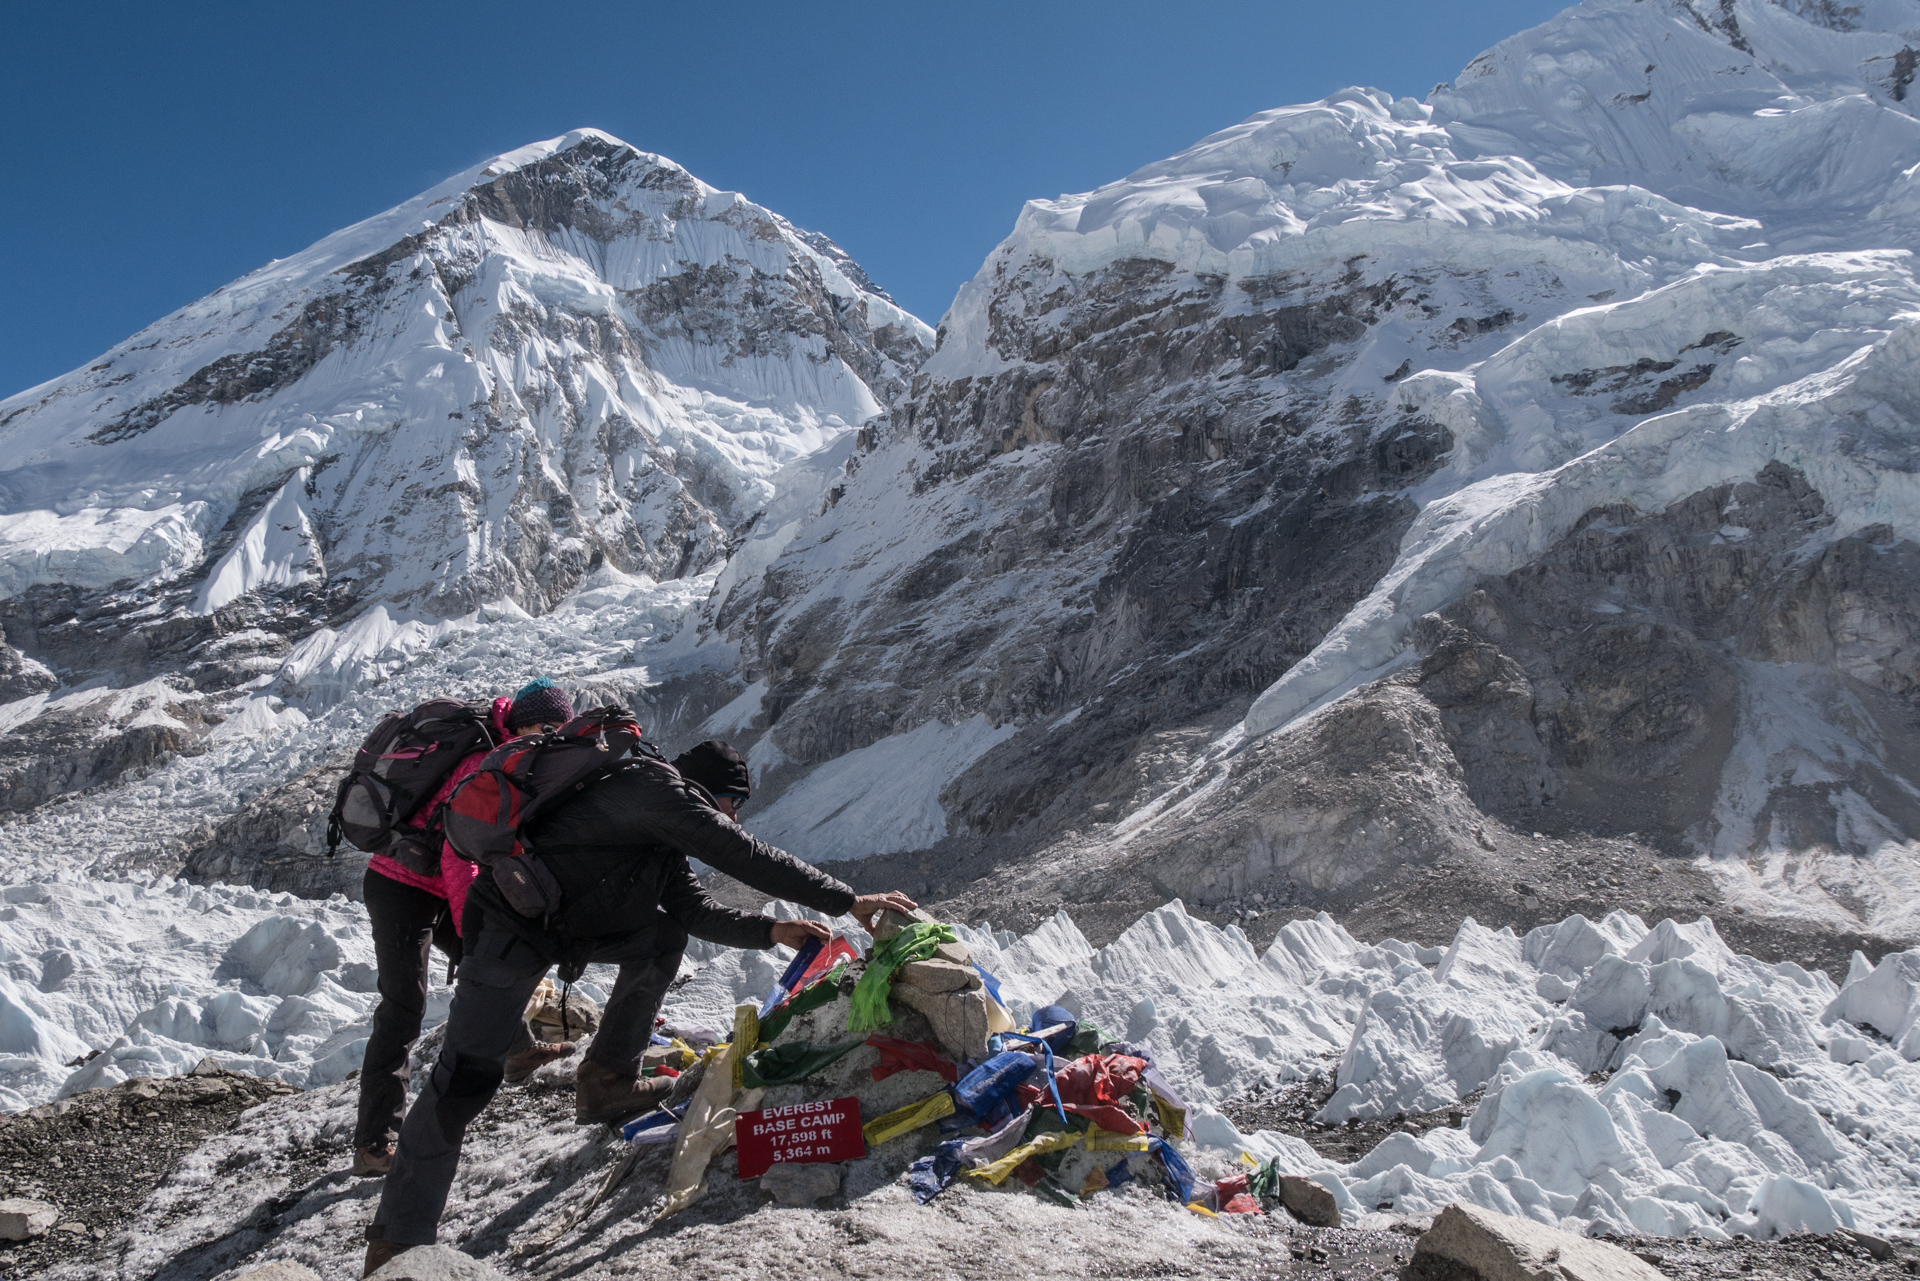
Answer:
[(410, 911)]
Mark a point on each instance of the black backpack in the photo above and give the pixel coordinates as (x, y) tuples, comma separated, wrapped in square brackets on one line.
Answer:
[(397, 770), (486, 816)]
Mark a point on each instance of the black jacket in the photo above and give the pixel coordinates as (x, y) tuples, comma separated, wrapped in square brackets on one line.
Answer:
[(621, 848)]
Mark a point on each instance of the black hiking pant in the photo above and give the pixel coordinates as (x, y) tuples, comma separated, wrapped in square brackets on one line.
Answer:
[(406, 920), (497, 976)]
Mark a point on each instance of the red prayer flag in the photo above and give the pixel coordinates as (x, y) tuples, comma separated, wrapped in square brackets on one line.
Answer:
[(909, 1056), (1099, 1078)]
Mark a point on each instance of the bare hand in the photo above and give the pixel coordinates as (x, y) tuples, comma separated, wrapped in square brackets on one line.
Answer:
[(794, 933), (867, 907)]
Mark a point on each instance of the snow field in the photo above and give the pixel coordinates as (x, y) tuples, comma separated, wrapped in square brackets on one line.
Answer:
[(156, 974), (317, 704), (852, 805)]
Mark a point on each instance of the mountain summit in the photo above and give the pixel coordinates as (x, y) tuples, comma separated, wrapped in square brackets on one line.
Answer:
[(575, 352)]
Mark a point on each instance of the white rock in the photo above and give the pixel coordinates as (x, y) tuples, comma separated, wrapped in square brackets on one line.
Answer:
[(435, 1263), (280, 1270)]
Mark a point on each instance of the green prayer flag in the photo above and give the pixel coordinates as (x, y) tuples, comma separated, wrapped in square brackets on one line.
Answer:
[(1264, 1183), (785, 1064), (915, 943), (1087, 1039), (1050, 1188)]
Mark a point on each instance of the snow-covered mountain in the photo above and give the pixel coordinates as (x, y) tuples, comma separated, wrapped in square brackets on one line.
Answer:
[(1499, 504), (1604, 356), (574, 355)]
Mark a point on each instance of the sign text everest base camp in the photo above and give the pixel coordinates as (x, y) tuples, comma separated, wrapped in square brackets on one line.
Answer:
[(825, 1131)]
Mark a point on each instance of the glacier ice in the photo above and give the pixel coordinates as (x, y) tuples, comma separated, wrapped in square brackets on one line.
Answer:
[(1749, 1097)]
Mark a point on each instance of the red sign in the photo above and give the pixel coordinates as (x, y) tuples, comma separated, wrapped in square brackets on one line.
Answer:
[(828, 1131)]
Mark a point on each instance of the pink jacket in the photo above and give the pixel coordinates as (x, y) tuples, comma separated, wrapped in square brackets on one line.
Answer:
[(456, 874)]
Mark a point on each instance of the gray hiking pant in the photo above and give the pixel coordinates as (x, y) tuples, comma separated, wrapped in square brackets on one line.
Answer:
[(405, 920), (497, 977)]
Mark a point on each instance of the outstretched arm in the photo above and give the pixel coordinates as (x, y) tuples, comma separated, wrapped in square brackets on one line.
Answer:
[(671, 813), (683, 898)]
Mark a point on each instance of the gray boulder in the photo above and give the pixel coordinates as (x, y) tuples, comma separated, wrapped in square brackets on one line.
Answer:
[(280, 1270), (21, 1218), (1308, 1202), (1467, 1241), (797, 1184)]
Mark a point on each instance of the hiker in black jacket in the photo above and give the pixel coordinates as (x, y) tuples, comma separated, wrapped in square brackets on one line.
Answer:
[(620, 851)]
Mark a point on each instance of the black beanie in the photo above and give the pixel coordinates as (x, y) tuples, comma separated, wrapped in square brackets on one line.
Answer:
[(717, 767)]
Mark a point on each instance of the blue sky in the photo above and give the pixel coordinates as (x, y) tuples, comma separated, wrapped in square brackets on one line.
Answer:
[(154, 152)]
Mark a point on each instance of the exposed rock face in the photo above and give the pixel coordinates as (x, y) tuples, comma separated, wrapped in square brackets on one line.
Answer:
[(1632, 684), (1618, 657), (94, 736), (1151, 515), (279, 842), (1647, 674), (20, 676)]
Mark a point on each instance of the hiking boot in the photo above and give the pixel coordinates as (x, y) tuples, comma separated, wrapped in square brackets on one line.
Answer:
[(523, 1063), (372, 1161), (380, 1253), (601, 1094)]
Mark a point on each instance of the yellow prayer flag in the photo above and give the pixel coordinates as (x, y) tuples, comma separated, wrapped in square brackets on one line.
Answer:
[(1173, 1120), (746, 1035), (996, 1173), (911, 1117), (1099, 1140)]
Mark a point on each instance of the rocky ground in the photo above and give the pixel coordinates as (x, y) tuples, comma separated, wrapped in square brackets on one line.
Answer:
[(96, 1155), (99, 1153)]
